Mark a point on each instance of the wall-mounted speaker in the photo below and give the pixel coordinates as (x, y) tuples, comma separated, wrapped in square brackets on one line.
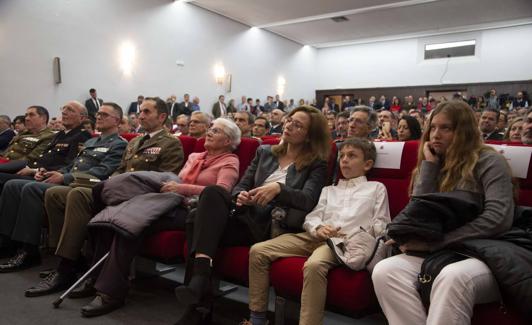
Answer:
[(57, 70)]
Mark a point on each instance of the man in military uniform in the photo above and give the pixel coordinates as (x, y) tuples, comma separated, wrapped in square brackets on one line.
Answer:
[(21, 205), (29, 144), (60, 151), (69, 211)]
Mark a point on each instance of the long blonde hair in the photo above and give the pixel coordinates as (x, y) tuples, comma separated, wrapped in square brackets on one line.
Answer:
[(464, 151), (318, 142)]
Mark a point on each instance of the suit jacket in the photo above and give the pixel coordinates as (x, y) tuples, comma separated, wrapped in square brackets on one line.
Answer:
[(5, 139), (133, 108), (298, 195), (216, 110), (279, 105), (495, 136), (276, 130), (91, 108), (379, 105), (173, 109), (183, 109)]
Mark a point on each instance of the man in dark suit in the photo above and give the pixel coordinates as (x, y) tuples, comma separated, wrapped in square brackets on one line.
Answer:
[(185, 107), (488, 124), (93, 104), (219, 108), (134, 107), (6, 133), (383, 103), (279, 103)]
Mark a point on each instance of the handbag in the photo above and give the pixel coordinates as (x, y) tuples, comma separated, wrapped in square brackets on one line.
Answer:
[(431, 267)]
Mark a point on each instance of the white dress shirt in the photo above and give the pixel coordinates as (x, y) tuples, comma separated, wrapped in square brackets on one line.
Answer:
[(351, 204)]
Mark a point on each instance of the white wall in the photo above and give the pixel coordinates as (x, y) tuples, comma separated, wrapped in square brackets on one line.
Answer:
[(87, 35), (501, 55)]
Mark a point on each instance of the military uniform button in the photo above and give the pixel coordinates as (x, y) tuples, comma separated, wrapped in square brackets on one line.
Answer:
[(40, 155), (81, 160), (49, 150)]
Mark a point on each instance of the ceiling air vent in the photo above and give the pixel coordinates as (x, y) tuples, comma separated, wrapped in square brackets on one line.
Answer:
[(339, 19)]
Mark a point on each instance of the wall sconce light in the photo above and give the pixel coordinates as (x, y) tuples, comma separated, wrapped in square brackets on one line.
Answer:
[(127, 57), (281, 83), (219, 73)]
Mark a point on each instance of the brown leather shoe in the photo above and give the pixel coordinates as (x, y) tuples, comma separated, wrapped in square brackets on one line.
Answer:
[(54, 282), (102, 304)]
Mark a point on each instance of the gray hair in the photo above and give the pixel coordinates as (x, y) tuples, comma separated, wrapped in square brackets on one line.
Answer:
[(5, 118), (204, 116), (82, 109), (372, 116), (231, 130)]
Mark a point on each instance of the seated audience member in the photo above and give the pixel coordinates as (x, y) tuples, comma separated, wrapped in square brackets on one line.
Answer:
[(331, 121), (6, 132), (134, 123), (502, 123), (383, 103), (519, 101), (371, 102), (215, 166), (514, 131), (18, 124), (361, 123), (396, 105), (341, 211), (124, 126), (88, 125), (451, 157), (408, 129), (287, 177), (419, 116), (301, 102), (276, 122), (290, 106), (258, 108), (21, 203), (261, 127), (30, 143), (244, 120), (488, 124), (387, 124), (526, 135), (195, 104), (409, 103), (58, 153), (492, 102), (342, 124), (269, 105), (198, 125), (70, 209), (182, 122)]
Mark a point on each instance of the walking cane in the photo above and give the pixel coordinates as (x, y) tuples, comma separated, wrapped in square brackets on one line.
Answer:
[(59, 300)]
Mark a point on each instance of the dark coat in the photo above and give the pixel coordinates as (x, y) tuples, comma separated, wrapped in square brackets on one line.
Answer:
[(298, 195)]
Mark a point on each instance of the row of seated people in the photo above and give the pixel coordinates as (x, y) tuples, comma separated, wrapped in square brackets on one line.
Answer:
[(290, 176)]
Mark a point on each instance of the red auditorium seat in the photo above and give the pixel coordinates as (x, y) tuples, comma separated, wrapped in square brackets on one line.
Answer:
[(129, 136), (349, 291), (169, 245)]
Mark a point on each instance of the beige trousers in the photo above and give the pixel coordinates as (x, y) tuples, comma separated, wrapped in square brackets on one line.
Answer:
[(69, 211), (315, 271), (455, 291)]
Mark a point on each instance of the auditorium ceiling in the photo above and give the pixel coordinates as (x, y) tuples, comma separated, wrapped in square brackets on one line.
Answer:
[(325, 23)]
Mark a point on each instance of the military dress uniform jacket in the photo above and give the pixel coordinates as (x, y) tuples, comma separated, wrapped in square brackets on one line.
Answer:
[(99, 157), (62, 150), (162, 153), (28, 146)]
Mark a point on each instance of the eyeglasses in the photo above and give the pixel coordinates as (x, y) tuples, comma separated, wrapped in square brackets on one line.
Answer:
[(291, 122), (196, 122), (215, 130)]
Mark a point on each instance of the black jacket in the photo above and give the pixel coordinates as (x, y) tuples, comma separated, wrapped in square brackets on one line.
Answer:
[(298, 195)]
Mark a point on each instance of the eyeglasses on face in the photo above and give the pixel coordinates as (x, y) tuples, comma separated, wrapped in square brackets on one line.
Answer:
[(296, 124)]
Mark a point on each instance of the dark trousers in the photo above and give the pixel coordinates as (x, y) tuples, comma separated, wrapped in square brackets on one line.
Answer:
[(112, 278), (211, 226), (4, 177)]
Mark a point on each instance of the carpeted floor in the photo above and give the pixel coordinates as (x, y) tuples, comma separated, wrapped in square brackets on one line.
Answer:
[(151, 301)]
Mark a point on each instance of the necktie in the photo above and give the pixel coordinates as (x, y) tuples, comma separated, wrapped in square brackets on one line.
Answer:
[(143, 139), (97, 103)]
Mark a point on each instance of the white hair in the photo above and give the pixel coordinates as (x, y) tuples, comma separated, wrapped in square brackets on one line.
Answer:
[(231, 130)]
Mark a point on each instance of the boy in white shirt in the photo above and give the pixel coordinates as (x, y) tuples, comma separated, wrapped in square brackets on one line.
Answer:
[(342, 211)]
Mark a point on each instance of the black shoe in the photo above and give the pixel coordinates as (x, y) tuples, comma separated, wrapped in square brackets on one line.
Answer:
[(23, 260), (84, 290), (102, 304), (199, 286), (54, 282), (8, 251)]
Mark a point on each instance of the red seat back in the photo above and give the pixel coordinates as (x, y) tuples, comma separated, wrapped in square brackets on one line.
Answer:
[(246, 152), (188, 143), (397, 181), (129, 136)]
